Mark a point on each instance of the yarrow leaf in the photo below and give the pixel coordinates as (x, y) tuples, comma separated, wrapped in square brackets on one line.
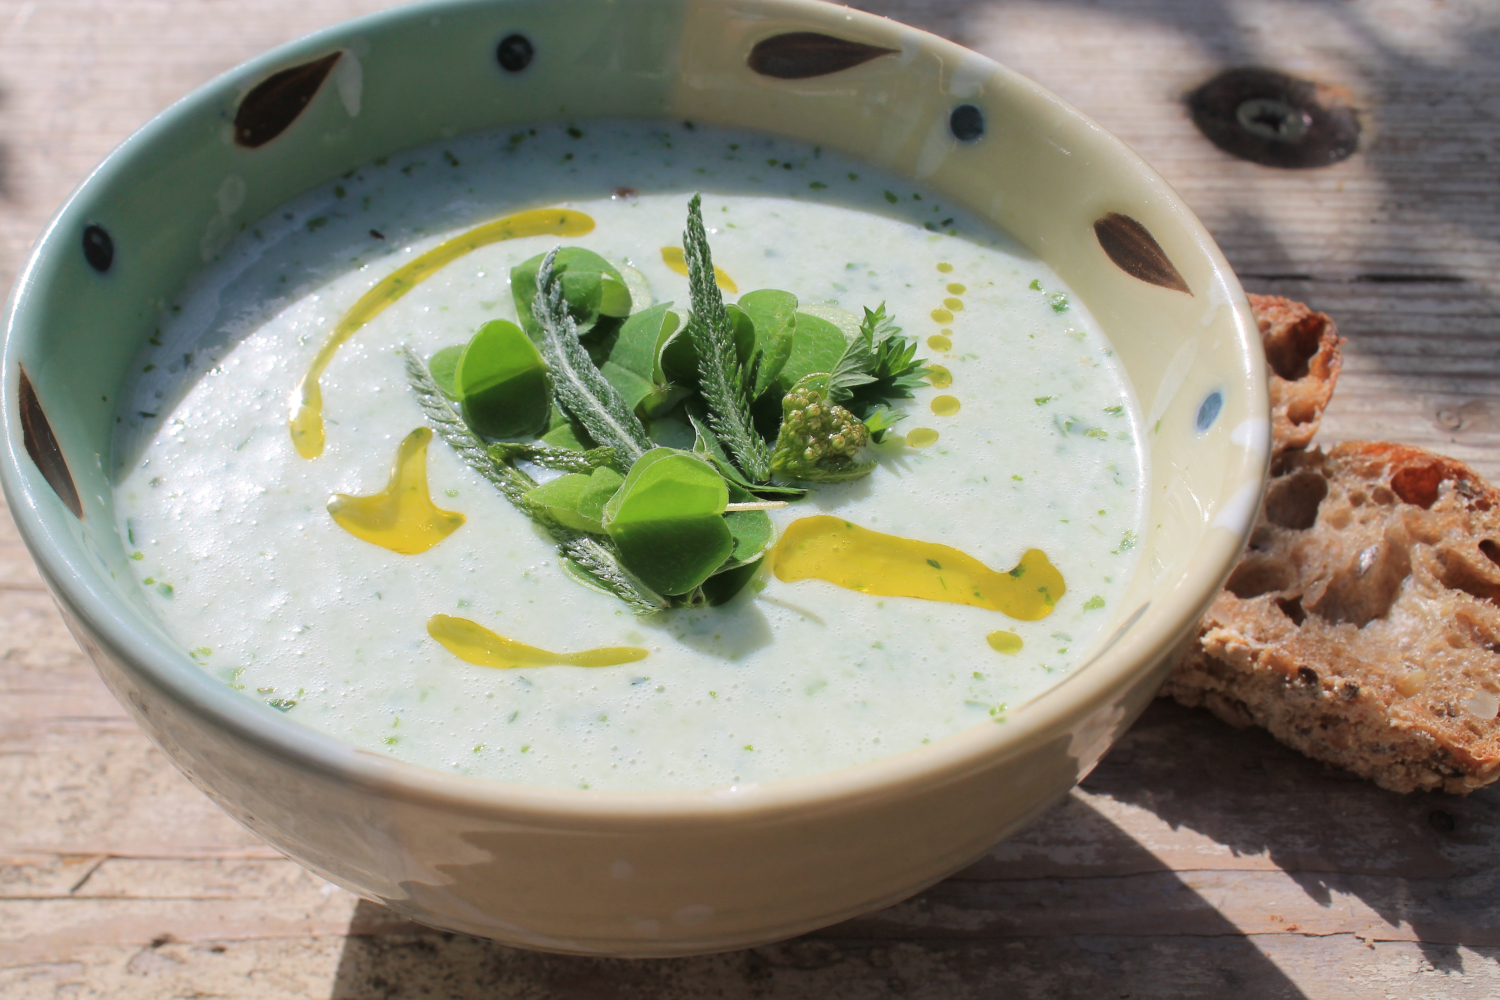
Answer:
[(548, 457), (720, 375), (580, 388)]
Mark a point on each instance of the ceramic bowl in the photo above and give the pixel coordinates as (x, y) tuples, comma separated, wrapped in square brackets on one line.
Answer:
[(640, 874)]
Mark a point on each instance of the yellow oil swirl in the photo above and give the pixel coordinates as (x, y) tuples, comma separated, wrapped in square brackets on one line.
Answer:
[(307, 398), (921, 437), (401, 517), (1002, 641), (945, 406), (476, 644), (941, 316), (673, 258), (939, 377), (829, 548), (938, 342)]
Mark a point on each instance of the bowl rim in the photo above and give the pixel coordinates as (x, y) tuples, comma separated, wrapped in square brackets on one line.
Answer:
[(1089, 687)]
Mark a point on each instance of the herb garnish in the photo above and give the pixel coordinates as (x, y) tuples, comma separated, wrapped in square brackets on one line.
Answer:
[(657, 526), (581, 389), (590, 560), (719, 371)]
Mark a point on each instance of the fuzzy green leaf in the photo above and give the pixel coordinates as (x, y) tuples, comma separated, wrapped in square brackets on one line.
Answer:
[(720, 373), (591, 286), (707, 445), (579, 387), (549, 457)]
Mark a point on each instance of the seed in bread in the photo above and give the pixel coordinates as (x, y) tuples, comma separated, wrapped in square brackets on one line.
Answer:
[(1302, 352), (1361, 627)]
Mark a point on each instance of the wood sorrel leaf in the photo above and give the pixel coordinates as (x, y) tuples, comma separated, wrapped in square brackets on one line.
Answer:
[(722, 587), (631, 365), (559, 499), (667, 521), (744, 333), (753, 534), (678, 358), (640, 338), (631, 387), (563, 431), (679, 353), (846, 321), (774, 314), (577, 500), (442, 366), (501, 383), (640, 289), (817, 345), (591, 286), (603, 484)]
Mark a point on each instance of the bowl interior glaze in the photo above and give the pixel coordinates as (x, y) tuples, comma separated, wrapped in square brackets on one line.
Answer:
[(492, 859)]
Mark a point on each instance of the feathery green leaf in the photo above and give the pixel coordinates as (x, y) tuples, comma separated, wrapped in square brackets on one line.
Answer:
[(579, 387), (548, 457), (720, 375)]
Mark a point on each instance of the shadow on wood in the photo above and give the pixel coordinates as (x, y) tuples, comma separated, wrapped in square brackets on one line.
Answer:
[(1424, 863), (1101, 917)]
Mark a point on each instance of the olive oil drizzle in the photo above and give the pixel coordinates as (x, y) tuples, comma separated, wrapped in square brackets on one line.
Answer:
[(307, 399), (938, 376), (473, 643), (674, 258), (401, 517), (1002, 641), (829, 548)]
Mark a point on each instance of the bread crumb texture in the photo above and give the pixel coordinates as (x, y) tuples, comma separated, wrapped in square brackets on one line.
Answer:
[(1302, 353), (1362, 625)]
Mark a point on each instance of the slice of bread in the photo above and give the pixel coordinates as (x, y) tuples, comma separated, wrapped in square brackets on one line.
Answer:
[(1302, 351), (1362, 627)]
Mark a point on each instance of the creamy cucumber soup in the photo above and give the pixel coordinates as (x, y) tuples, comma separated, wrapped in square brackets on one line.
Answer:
[(627, 516)]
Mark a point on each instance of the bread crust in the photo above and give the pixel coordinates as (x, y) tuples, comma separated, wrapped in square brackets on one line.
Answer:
[(1361, 626), (1303, 353)]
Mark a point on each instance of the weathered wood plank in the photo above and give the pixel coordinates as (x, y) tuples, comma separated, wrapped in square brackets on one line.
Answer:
[(1204, 861), (1085, 968)]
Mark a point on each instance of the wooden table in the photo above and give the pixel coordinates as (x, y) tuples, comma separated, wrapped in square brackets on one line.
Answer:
[(1196, 860)]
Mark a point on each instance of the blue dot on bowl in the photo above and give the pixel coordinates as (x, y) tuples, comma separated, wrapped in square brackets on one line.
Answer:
[(966, 123), (514, 53), (1208, 410)]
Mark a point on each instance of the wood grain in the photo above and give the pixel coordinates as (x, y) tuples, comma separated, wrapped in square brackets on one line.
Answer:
[(1195, 861)]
